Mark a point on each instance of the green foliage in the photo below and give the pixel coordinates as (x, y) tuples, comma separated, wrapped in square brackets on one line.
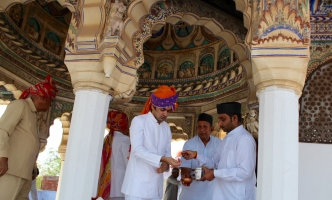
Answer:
[(38, 182), (50, 167)]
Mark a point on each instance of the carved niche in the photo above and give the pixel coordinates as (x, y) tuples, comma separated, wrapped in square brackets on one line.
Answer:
[(165, 70), (251, 123), (16, 14), (224, 59), (206, 64), (186, 69), (32, 29), (144, 72), (52, 43), (116, 11)]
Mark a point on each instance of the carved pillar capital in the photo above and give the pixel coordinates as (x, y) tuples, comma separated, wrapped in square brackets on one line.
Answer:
[(284, 72), (105, 69), (280, 22)]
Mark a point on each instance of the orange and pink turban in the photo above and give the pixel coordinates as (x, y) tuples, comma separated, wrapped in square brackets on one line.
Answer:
[(46, 89), (163, 97), (116, 121)]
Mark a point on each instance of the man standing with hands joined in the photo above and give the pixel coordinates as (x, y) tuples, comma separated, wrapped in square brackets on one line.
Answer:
[(150, 156), (206, 145), (233, 164)]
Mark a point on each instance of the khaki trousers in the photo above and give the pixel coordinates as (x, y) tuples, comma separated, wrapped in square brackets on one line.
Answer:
[(14, 188)]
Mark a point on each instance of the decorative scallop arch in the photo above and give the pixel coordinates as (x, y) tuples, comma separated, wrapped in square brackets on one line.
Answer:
[(148, 16), (6, 4), (316, 63), (65, 120)]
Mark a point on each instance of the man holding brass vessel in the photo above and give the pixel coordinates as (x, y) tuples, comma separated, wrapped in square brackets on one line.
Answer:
[(233, 163), (206, 145)]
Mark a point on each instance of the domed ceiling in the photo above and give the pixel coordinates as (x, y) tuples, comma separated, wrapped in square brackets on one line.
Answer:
[(33, 37), (179, 36), (190, 58), (193, 60)]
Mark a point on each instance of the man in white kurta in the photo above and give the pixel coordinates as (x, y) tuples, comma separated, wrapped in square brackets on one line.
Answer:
[(150, 156), (233, 164), (206, 145), (119, 160), (172, 186)]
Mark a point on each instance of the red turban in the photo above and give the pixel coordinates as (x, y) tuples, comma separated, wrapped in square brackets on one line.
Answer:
[(163, 97), (117, 121), (46, 89)]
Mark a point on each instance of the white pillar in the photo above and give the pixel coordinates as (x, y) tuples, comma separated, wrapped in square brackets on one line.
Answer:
[(278, 144), (59, 181), (81, 169)]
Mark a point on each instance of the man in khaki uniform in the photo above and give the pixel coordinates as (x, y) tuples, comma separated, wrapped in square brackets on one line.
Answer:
[(19, 139)]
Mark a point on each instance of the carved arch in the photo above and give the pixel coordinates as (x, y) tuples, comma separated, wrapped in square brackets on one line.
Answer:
[(65, 120), (6, 4), (143, 20), (318, 62)]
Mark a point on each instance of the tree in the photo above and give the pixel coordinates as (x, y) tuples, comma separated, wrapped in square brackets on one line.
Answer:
[(50, 167)]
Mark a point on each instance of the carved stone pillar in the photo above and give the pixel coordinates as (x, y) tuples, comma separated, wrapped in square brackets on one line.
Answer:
[(197, 53), (280, 55), (279, 82), (216, 57), (65, 121), (278, 87), (102, 69), (79, 179), (176, 66)]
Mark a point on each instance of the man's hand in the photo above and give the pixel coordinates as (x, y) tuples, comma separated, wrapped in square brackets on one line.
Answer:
[(186, 180), (163, 167), (171, 161), (3, 165), (35, 173), (208, 174), (187, 154)]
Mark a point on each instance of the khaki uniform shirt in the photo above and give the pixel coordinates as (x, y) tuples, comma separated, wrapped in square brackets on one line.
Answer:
[(19, 140)]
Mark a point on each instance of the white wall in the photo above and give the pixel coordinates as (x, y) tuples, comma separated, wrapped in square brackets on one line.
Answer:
[(315, 171)]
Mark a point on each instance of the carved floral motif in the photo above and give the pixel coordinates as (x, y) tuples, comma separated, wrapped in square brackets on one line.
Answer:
[(281, 19)]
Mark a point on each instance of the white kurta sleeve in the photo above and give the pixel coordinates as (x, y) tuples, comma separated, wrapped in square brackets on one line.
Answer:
[(244, 157), (168, 149), (137, 141), (212, 162), (125, 150), (173, 181), (184, 162)]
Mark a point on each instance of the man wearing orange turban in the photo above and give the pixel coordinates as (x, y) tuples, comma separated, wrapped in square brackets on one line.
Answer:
[(150, 138), (114, 156), (19, 139)]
